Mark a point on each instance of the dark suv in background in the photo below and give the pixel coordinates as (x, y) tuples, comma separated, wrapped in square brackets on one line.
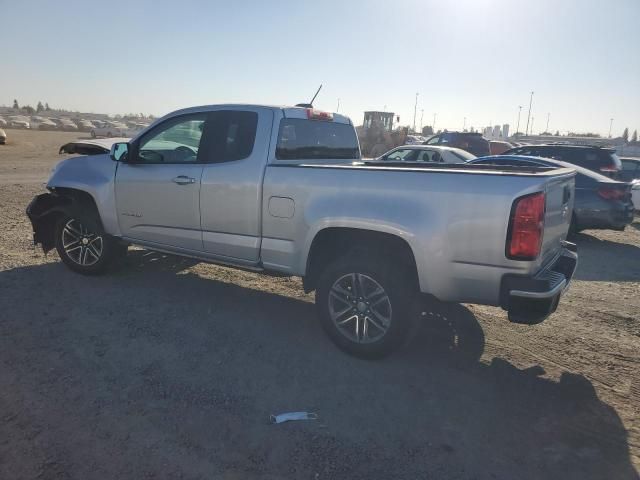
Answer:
[(599, 159), (471, 142)]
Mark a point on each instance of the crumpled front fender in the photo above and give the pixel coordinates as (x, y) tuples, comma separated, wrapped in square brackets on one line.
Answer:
[(45, 210)]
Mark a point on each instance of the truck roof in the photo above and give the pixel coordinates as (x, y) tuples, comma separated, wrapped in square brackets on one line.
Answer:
[(288, 111)]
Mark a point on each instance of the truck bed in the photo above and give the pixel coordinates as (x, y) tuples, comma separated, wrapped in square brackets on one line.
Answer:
[(455, 217)]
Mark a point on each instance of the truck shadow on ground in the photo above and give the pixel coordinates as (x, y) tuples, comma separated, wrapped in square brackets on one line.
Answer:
[(158, 371), (606, 261)]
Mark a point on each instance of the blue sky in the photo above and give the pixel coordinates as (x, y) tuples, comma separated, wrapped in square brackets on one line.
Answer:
[(468, 58)]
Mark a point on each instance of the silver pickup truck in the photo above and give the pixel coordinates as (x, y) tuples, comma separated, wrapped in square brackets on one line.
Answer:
[(284, 190)]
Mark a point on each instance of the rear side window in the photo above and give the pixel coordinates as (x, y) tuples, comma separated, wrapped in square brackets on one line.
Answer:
[(230, 135), (300, 139)]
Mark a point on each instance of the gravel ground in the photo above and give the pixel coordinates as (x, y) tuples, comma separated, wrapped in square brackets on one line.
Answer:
[(170, 369)]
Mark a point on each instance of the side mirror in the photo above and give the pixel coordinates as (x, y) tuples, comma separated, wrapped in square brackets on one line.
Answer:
[(119, 152)]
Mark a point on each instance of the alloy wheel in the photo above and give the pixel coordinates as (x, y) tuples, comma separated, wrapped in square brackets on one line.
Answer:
[(80, 244), (360, 308)]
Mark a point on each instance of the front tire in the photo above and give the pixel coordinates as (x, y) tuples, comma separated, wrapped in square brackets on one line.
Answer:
[(364, 304), (83, 248)]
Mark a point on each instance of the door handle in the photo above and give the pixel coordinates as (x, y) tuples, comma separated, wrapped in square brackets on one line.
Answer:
[(184, 180)]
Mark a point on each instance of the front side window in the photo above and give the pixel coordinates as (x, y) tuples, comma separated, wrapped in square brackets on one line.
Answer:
[(433, 140), (300, 139), (176, 140)]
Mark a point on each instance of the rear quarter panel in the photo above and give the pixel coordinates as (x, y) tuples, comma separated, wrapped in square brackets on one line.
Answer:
[(455, 223)]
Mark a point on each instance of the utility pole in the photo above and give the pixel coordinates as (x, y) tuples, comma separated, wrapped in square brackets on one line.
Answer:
[(415, 111), (519, 112), (464, 123), (421, 117), (529, 114), (434, 122), (610, 125), (547, 129), (338, 106), (531, 125)]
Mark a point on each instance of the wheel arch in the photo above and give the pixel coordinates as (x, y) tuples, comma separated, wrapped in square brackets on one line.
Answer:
[(331, 243), (45, 210)]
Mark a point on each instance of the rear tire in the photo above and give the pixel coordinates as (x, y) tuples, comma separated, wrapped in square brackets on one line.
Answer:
[(84, 249), (364, 304)]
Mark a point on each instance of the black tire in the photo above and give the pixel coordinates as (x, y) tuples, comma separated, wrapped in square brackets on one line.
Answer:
[(399, 287), (90, 231)]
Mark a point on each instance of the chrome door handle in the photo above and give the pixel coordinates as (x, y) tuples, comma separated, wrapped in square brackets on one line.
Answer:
[(184, 180)]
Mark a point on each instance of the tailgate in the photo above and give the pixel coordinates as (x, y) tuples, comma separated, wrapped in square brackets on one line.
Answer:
[(560, 193)]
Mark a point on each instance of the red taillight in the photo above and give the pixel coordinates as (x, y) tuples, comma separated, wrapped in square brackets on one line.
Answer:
[(611, 193), (526, 227), (319, 115)]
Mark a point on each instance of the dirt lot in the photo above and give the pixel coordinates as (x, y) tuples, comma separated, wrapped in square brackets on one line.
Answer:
[(170, 369)]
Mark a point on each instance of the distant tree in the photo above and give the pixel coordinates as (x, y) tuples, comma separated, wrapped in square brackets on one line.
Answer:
[(16, 106), (625, 135), (634, 137), (427, 130), (46, 107), (557, 134), (587, 134), (28, 109), (40, 107)]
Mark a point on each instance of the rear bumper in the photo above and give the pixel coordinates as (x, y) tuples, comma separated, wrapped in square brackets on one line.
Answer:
[(531, 299), (616, 217)]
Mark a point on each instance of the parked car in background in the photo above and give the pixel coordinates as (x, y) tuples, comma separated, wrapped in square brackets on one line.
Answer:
[(471, 142), (133, 129), (3, 137), (18, 121), (635, 194), (109, 129), (600, 203), (599, 159), (3, 122), (90, 147), (68, 125), (263, 188), (42, 123), (630, 170), (83, 125), (414, 140), (426, 153), (498, 147)]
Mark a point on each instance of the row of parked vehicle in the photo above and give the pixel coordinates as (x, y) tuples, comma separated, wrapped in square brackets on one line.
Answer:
[(97, 128), (473, 142), (607, 187)]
